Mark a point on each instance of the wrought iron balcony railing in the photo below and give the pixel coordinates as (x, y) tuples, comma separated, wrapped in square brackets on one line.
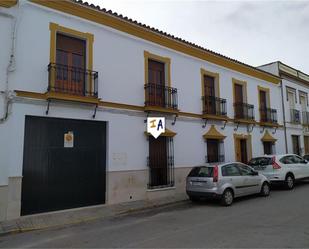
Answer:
[(244, 111), (268, 115), (161, 96), (213, 105), (305, 118), (295, 116), (72, 80), (215, 158)]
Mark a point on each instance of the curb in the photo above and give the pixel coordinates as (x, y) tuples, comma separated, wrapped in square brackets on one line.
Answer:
[(80, 215)]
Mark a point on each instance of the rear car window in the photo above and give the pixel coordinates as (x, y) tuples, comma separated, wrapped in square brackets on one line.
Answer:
[(230, 170), (260, 161), (201, 172)]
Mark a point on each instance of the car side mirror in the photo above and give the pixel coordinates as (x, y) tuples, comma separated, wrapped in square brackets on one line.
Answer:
[(255, 173)]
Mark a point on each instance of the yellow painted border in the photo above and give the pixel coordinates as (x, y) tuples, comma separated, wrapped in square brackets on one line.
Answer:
[(267, 91), (249, 140), (244, 84), (268, 138), (167, 64), (213, 133), (217, 81), (8, 3), (88, 37), (117, 23), (44, 96)]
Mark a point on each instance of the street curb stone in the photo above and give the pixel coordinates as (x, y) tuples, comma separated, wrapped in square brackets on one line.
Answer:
[(79, 215)]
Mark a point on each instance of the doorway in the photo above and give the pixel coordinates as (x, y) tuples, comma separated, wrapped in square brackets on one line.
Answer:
[(242, 148)]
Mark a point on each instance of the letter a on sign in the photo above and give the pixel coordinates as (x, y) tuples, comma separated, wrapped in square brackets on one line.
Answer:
[(155, 126)]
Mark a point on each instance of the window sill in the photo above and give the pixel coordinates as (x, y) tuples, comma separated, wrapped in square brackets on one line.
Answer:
[(70, 97), (161, 189), (161, 109)]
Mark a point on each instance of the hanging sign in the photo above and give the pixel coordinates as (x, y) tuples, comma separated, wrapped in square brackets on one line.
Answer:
[(69, 139), (155, 126)]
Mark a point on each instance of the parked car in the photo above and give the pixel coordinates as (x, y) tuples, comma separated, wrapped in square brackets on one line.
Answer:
[(284, 169), (225, 181), (306, 157)]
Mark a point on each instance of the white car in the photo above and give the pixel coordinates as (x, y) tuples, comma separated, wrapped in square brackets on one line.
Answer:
[(284, 169)]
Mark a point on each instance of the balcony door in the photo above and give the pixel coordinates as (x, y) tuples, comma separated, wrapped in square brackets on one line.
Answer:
[(263, 106), (70, 68), (156, 80), (239, 98), (209, 91), (295, 144)]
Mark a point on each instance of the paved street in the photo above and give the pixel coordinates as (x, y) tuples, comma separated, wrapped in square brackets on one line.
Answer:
[(282, 220)]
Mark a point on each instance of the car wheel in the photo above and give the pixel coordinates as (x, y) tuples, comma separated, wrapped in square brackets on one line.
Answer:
[(265, 190), (289, 182), (227, 197), (194, 198)]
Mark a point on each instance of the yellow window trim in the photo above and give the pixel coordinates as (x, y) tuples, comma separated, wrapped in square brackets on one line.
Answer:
[(167, 66), (100, 17), (249, 140), (213, 133), (268, 138), (167, 133), (217, 81), (267, 91), (89, 38), (8, 3), (244, 84)]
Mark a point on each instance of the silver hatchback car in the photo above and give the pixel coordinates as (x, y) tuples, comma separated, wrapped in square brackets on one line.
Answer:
[(225, 181)]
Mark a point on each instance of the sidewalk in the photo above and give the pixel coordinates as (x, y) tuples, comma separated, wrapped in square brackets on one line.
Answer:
[(78, 215)]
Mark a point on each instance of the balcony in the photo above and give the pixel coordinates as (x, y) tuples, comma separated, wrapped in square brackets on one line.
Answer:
[(268, 115), (244, 111), (214, 159), (161, 98), (72, 81), (305, 118), (214, 106), (295, 116)]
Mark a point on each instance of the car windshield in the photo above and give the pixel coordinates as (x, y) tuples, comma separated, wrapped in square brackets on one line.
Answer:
[(201, 172), (260, 161)]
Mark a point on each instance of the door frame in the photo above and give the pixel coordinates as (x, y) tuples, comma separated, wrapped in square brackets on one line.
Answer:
[(237, 138)]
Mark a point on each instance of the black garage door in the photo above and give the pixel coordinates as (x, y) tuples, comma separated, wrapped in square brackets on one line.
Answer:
[(59, 175)]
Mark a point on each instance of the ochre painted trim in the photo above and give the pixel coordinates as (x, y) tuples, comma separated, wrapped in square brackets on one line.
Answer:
[(43, 96), (161, 109), (69, 97), (217, 81), (237, 137), (244, 84), (8, 3), (96, 16), (167, 133), (268, 138), (267, 91), (213, 133), (89, 38), (215, 117)]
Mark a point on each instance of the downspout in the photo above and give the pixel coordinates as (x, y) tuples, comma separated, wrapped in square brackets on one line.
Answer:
[(284, 122), (8, 96)]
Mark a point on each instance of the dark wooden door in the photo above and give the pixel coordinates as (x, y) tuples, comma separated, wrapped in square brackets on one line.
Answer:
[(238, 93), (263, 105), (209, 88), (55, 177), (267, 148), (243, 150), (158, 161), (213, 150), (156, 79), (296, 146), (71, 65)]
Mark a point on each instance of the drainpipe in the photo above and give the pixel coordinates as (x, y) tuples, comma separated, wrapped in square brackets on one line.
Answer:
[(8, 95), (284, 122)]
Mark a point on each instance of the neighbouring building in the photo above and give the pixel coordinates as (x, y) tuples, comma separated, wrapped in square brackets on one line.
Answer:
[(78, 83), (295, 88)]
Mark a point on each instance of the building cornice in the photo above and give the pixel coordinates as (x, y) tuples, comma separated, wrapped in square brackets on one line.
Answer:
[(97, 15)]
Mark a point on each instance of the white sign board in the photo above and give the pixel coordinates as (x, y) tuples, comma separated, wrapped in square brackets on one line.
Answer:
[(155, 126), (69, 140)]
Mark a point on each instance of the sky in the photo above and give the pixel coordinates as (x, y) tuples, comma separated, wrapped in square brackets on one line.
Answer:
[(253, 32)]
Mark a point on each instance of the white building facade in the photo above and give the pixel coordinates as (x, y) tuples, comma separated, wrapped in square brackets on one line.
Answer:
[(79, 83), (295, 90)]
